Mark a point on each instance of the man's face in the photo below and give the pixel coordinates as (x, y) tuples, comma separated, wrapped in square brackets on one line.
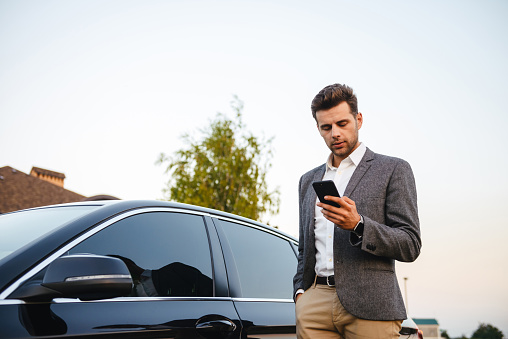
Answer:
[(339, 129)]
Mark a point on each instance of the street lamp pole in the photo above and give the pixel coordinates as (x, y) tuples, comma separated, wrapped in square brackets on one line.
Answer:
[(405, 292)]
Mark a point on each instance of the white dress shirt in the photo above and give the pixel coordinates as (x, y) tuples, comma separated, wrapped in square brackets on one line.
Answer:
[(324, 229)]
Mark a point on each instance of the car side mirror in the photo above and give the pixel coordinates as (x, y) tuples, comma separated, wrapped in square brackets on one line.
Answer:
[(83, 276)]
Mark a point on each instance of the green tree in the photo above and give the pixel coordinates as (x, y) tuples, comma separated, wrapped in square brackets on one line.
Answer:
[(444, 334), (225, 169), (487, 331)]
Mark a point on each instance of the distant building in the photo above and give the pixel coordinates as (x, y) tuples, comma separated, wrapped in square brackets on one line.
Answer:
[(42, 187), (429, 327)]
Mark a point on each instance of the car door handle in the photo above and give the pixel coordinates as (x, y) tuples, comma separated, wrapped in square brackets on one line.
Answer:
[(216, 325)]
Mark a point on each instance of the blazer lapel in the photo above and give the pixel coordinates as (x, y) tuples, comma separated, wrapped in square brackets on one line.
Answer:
[(362, 168)]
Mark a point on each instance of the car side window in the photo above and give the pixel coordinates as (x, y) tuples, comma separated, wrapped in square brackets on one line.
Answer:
[(266, 263), (167, 254)]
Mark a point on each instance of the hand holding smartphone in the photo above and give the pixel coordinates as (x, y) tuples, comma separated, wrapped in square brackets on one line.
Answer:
[(324, 188)]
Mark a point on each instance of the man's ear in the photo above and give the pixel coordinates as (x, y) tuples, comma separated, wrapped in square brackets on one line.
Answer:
[(359, 120)]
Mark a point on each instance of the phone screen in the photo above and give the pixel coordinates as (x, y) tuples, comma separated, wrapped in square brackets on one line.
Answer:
[(324, 188)]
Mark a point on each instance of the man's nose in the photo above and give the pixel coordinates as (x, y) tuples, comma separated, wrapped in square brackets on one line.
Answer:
[(335, 131)]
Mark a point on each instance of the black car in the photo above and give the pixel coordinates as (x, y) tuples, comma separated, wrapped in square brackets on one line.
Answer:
[(148, 269), (143, 269)]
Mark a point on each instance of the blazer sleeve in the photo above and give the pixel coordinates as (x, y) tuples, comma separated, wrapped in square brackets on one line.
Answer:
[(398, 237)]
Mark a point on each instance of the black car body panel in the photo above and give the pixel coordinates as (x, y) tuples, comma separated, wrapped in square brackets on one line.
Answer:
[(147, 318)]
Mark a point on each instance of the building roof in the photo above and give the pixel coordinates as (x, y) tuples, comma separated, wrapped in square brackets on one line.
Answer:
[(425, 321), (19, 191)]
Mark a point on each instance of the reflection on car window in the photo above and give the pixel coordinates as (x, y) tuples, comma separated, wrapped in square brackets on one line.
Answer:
[(266, 263), (167, 253), (20, 228)]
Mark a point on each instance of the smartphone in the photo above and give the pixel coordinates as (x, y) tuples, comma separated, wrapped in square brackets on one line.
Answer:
[(324, 188)]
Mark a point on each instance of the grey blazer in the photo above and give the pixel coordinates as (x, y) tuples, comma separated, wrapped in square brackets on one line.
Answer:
[(384, 191)]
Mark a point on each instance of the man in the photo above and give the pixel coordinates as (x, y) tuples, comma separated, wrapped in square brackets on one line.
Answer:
[(345, 286)]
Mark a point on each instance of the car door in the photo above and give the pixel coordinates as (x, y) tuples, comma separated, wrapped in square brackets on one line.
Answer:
[(261, 264), (178, 281)]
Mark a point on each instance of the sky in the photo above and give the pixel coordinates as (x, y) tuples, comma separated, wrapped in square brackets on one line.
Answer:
[(98, 89)]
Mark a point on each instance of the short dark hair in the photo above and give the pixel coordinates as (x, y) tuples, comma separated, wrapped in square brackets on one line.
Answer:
[(331, 96)]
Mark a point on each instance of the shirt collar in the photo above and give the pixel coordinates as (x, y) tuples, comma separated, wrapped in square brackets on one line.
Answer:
[(354, 157)]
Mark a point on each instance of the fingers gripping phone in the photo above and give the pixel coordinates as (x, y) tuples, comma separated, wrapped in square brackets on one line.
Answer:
[(324, 188)]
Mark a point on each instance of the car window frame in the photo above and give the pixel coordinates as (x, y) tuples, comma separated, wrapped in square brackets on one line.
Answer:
[(60, 251), (232, 271)]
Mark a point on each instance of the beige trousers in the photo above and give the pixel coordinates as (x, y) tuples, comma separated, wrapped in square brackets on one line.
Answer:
[(319, 314)]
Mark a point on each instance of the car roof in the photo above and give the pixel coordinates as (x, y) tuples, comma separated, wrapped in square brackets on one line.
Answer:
[(124, 205)]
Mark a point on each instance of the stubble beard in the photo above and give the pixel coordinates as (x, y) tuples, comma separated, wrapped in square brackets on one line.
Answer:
[(343, 153)]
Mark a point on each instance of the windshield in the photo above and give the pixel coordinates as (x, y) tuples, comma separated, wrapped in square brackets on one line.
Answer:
[(20, 228)]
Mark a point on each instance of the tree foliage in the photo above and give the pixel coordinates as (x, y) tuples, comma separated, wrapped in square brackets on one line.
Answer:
[(226, 169), (487, 331), (444, 334)]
